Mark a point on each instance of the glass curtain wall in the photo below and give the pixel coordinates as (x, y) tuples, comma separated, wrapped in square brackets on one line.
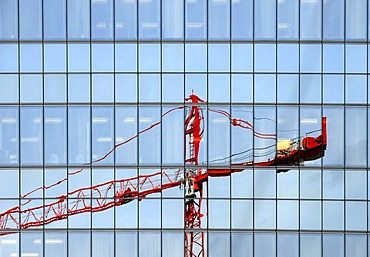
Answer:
[(93, 91)]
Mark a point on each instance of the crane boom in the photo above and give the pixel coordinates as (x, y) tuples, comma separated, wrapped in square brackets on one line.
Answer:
[(89, 199)]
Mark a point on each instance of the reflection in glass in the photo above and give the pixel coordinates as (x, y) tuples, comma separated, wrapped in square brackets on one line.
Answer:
[(9, 19), (172, 19), (333, 24), (102, 19), (310, 20), (196, 19), (333, 245), (78, 19), (125, 19), (219, 19), (242, 19), (149, 19), (9, 135), (265, 19), (356, 20), (30, 19), (31, 135), (54, 19), (264, 244), (288, 19), (55, 137)]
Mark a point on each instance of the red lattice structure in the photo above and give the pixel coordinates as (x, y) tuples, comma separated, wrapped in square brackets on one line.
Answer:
[(191, 178)]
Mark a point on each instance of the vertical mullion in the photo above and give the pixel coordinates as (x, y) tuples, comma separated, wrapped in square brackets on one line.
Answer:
[(114, 123), (137, 122), (90, 124), (230, 136), (67, 120), (43, 120), (19, 131)]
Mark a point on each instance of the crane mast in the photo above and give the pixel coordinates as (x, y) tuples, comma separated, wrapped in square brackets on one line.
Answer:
[(194, 236)]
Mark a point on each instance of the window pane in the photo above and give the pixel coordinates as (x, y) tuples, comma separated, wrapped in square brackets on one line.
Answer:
[(333, 58), (172, 19), (310, 245), (333, 89), (287, 89), (78, 19), (356, 60), (196, 19), (287, 214), (356, 245), (310, 22), (287, 244), (310, 184), (55, 143), (126, 88), (9, 88), (265, 19), (31, 89), (356, 215), (288, 19), (265, 57), (333, 213), (173, 88), (334, 155), (287, 57), (102, 19), (102, 88), (242, 19), (55, 57), (54, 19), (126, 57), (31, 58), (219, 19), (78, 88), (334, 20), (356, 15), (126, 19), (31, 135), (78, 57), (219, 57), (149, 88), (310, 88), (55, 88), (310, 215), (149, 19), (9, 19), (310, 58), (9, 134), (265, 215), (242, 88), (264, 244), (333, 184), (102, 57), (173, 57), (356, 89), (333, 245), (265, 88), (149, 57), (102, 134), (196, 57), (9, 57), (30, 16)]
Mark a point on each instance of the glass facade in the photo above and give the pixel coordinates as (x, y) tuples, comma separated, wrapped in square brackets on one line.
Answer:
[(81, 83)]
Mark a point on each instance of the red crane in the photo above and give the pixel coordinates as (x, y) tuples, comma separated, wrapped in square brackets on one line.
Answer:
[(191, 178)]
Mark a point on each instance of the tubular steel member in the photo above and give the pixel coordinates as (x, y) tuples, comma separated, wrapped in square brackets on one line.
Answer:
[(194, 237)]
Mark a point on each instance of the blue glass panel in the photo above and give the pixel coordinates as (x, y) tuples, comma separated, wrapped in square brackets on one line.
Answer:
[(242, 19), (9, 58), (102, 88), (265, 19), (333, 89), (219, 19), (173, 19), (333, 58), (149, 57), (265, 57), (149, 19), (173, 57), (9, 134), (219, 57), (78, 57), (31, 57), (31, 88), (356, 16), (55, 88), (356, 89), (9, 88), (55, 58), (30, 19), (54, 19), (9, 19), (196, 19), (126, 88), (126, 57), (55, 141), (310, 20), (78, 19), (102, 19), (287, 57), (288, 19), (78, 88), (196, 57), (102, 57), (333, 245), (125, 19), (356, 58), (333, 23)]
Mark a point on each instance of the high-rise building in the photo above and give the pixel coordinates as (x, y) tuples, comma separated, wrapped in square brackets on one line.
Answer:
[(94, 104)]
